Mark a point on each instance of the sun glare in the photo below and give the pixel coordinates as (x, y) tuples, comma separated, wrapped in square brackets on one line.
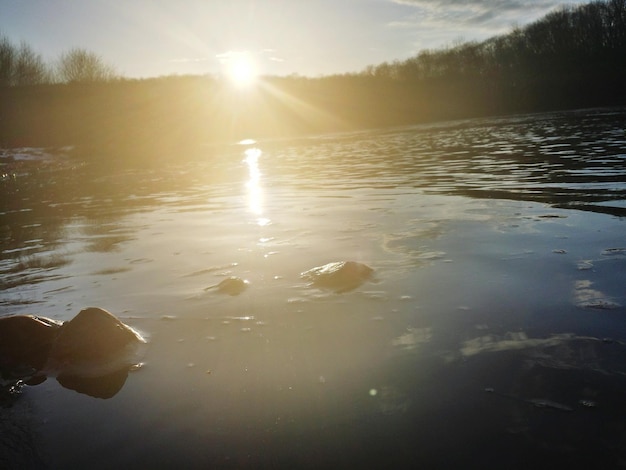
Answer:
[(253, 185), (242, 70)]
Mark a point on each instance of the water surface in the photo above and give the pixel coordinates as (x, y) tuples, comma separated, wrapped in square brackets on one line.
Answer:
[(492, 330)]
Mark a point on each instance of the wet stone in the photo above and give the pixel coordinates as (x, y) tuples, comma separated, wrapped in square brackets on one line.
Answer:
[(25, 341), (90, 354), (231, 286), (92, 335), (341, 276)]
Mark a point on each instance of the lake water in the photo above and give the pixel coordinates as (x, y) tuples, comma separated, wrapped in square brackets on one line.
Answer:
[(492, 332)]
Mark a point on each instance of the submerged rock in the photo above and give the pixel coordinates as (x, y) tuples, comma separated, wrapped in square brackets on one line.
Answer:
[(340, 276), (614, 251), (92, 353), (232, 286)]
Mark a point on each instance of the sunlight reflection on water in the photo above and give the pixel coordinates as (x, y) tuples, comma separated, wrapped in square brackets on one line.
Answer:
[(253, 185)]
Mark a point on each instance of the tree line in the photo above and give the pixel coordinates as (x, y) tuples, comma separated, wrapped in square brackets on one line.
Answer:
[(573, 57), (20, 65)]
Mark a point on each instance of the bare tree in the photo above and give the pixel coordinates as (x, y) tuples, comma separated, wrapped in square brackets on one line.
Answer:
[(29, 68), (20, 65), (7, 59), (81, 66)]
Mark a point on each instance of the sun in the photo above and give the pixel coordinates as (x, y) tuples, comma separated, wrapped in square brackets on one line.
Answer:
[(242, 70)]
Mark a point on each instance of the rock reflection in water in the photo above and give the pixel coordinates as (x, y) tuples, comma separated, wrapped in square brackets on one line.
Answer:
[(103, 386)]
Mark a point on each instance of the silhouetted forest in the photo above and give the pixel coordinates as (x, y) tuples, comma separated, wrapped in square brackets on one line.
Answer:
[(574, 57)]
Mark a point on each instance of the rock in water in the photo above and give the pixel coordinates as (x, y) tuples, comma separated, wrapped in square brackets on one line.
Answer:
[(25, 341), (232, 286), (340, 276), (91, 354), (92, 336)]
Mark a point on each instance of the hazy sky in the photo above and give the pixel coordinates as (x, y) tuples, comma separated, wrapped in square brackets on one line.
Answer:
[(309, 37)]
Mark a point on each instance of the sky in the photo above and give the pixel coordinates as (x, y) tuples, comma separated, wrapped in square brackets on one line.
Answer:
[(148, 38)]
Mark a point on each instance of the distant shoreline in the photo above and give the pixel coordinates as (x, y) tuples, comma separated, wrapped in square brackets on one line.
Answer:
[(572, 58)]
